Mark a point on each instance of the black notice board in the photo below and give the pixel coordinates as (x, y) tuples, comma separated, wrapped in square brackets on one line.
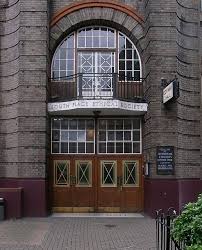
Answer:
[(165, 160)]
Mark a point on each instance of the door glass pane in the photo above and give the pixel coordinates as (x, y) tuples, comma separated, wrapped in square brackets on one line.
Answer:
[(102, 136), (119, 147), (108, 173), (127, 135), (128, 147), (55, 124), (61, 173), (89, 148), (84, 173), (81, 135), (110, 147), (55, 147), (81, 124), (90, 124), (64, 135), (73, 147), (64, 124), (102, 148), (73, 135), (72, 124), (64, 147), (90, 135), (120, 136), (81, 147), (111, 136), (55, 135), (102, 124), (136, 147), (130, 173), (136, 136)]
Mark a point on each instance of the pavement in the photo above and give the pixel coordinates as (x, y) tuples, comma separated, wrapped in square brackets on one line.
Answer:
[(78, 233)]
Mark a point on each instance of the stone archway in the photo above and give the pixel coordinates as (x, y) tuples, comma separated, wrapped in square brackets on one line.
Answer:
[(82, 13)]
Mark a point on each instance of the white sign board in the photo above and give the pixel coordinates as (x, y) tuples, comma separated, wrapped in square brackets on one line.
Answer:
[(96, 104), (168, 93)]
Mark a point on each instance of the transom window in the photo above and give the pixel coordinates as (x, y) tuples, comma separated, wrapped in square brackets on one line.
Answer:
[(96, 37), (114, 136), (73, 136), (119, 136), (87, 43)]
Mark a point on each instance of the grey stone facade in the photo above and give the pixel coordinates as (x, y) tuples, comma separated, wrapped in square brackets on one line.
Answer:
[(23, 86), (169, 42)]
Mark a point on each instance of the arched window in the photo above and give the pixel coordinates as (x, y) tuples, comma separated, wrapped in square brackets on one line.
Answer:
[(96, 50)]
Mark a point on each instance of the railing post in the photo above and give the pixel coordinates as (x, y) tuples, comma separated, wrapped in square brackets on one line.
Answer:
[(168, 232), (80, 85), (114, 84)]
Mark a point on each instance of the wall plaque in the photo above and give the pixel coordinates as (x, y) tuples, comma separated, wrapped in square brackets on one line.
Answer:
[(97, 104), (165, 160)]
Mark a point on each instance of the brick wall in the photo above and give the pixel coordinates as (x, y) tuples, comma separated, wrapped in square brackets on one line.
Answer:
[(160, 62), (56, 5), (188, 71), (23, 86)]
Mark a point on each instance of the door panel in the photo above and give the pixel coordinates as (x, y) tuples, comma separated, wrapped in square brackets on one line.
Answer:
[(108, 195), (97, 183), (61, 184), (132, 188), (127, 192), (97, 69), (83, 170)]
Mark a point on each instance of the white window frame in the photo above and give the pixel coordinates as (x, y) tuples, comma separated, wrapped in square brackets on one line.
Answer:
[(140, 130), (116, 48), (68, 141)]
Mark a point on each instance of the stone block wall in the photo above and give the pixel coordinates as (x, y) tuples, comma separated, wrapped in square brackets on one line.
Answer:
[(188, 70), (24, 68), (160, 59), (169, 44), (56, 5)]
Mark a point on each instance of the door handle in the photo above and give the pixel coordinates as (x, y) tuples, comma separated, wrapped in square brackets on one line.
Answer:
[(72, 180), (120, 182)]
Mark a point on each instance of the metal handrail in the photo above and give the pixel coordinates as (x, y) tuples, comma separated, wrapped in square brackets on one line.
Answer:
[(89, 85)]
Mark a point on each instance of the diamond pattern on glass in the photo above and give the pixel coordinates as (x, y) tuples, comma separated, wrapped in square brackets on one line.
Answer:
[(96, 68), (108, 175), (83, 169), (130, 172), (61, 173)]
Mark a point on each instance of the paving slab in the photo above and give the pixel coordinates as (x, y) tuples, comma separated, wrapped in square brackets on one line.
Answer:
[(78, 233)]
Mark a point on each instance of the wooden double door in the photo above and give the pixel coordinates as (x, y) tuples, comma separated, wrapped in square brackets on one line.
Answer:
[(96, 183)]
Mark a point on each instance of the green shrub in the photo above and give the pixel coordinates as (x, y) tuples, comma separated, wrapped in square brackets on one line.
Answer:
[(194, 247), (187, 227)]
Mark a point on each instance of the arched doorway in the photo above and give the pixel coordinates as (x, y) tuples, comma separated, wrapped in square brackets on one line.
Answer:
[(97, 157)]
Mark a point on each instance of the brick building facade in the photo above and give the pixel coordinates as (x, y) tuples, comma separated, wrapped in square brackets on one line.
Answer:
[(167, 37)]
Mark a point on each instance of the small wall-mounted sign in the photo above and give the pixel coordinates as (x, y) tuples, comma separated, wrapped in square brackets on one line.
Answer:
[(165, 160), (168, 93), (171, 91)]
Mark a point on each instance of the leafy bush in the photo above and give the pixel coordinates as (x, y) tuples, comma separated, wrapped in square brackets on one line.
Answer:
[(194, 247), (187, 227)]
